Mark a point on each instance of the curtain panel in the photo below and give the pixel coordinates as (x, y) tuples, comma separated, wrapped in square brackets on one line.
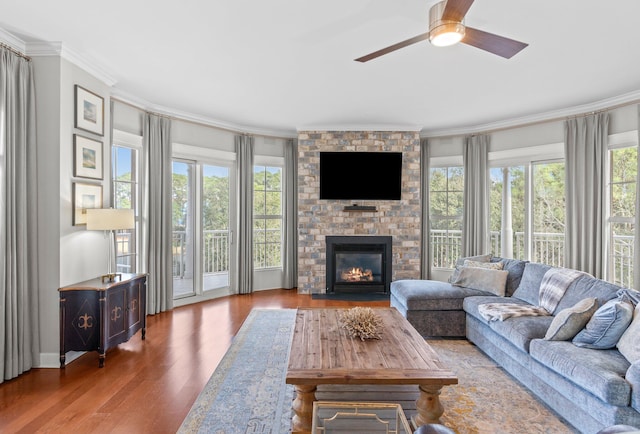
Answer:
[(425, 245), (475, 218), (158, 234), (291, 215), (19, 316), (244, 245), (585, 141)]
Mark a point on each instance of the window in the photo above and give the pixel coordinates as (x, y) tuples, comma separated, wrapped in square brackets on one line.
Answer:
[(507, 211), (446, 185), (548, 213), (623, 176), (267, 217), (125, 196), (527, 211)]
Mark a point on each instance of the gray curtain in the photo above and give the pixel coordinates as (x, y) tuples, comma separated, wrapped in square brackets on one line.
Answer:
[(585, 142), (157, 144), (19, 328), (425, 247), (244, 246), (636, 239), (475, 219), (291, 214)]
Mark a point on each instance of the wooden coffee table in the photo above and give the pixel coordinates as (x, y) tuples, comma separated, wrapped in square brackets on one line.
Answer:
[(323, 353)]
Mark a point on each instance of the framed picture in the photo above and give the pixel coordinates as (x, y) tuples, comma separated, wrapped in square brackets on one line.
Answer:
[(87, 157), (84, 197), (89, 111)]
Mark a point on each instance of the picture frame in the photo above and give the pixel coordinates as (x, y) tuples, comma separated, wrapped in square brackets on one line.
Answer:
[(89, 111), (87, 157), (84, 197)]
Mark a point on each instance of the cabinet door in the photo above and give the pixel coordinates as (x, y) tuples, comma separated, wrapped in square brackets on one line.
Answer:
[(116, 313), (80, 320)]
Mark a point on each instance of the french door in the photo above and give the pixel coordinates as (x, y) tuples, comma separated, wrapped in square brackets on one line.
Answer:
[(202, 227)]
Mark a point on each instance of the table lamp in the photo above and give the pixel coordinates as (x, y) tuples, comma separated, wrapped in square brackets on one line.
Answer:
[(109, 219)]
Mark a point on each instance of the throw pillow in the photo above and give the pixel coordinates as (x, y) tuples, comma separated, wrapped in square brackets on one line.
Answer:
[(628, 343), (568, 322), (482, 279), (487, 265), (606, 326), (460, 264), (529, 288)]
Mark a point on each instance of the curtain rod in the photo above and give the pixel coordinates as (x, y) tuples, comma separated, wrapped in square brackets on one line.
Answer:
[(14, 51)]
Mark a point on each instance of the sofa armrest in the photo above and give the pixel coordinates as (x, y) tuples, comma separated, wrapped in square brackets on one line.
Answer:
[(633, 378)]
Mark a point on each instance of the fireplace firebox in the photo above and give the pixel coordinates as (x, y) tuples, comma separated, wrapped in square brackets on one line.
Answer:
[(358, 264)]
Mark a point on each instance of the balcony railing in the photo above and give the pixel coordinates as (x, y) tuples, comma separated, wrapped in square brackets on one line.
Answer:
[(547, 248), (215, 252)]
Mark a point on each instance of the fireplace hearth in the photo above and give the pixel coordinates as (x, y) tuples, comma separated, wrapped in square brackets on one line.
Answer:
[(358, 264)]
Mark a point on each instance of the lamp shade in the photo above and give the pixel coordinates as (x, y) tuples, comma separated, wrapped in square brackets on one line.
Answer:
[(109, 219)]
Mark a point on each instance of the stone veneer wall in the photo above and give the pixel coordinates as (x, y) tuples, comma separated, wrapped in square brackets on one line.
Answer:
[(318, 218)]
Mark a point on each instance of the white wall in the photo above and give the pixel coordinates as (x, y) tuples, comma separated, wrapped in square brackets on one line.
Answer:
[(67, 254)]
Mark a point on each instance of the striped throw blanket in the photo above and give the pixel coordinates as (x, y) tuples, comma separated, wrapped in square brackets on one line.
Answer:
[(552, 288)]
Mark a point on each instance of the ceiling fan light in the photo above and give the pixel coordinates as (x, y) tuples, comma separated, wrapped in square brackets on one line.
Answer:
[(446, 34)]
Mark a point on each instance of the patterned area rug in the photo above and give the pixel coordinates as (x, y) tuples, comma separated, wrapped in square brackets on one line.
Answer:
[(247, 392)]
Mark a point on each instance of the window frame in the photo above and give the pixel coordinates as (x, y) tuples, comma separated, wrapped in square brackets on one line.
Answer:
[(262, 161), (121, 139)]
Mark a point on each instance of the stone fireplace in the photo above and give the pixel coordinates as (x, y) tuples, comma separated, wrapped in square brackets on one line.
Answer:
[(359, 264), (399, 220)]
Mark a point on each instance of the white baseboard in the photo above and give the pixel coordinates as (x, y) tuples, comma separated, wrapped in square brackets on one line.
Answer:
[(52, 360)]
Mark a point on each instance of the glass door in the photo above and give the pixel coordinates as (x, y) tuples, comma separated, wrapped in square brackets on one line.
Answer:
[(183, 228), (216, 226)]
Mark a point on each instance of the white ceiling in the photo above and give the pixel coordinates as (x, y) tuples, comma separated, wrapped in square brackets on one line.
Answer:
[(282, 65)]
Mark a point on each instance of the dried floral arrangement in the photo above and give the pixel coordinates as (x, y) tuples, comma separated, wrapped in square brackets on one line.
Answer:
[(362, 322)]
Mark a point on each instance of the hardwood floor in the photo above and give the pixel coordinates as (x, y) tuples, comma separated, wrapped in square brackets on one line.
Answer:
[(146, 386)]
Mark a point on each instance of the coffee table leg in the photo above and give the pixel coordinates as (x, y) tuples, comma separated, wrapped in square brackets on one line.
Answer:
[(428, 406), (303, 408)]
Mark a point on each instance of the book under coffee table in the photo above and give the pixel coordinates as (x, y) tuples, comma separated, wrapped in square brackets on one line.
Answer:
[(322, 352)]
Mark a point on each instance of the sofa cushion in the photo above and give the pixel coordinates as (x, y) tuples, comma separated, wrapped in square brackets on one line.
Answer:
[(431, 294), (588, 286), (520, 331), (482, 279), (605, 326), (515, 267), (568, 322), (529, 288), (599, 372), (628, 343)]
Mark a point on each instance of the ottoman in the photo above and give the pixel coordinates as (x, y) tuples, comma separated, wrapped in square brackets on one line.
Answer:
[(433, 308)]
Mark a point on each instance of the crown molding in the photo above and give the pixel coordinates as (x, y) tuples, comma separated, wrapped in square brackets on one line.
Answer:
[(361, 127), (42, 49), (145, 105), (13, 42), (554, 115)]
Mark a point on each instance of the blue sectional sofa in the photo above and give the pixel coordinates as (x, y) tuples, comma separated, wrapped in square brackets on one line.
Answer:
[(591, 388)]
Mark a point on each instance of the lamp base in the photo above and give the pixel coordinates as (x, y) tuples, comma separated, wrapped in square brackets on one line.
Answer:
[(110, 277)]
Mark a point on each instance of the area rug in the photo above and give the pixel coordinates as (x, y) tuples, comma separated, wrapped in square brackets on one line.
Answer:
[(247, 392)]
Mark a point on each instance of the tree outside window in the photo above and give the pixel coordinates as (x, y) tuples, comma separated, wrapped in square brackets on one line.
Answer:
[(124, 163)]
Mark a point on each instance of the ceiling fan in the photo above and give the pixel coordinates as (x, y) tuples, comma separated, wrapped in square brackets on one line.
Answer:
[(446, 28)]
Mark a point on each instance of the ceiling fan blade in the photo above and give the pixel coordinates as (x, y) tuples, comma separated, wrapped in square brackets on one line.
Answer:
[(492, 43), (393, 47), (455, 10)]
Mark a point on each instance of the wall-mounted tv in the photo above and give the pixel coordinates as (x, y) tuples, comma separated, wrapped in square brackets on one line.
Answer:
[(361, 175)]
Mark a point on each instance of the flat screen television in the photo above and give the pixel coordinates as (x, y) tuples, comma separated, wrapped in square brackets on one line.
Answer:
[(361, 175)]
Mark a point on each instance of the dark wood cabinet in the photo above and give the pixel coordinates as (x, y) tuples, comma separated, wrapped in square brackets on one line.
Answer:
[(96, 315)]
